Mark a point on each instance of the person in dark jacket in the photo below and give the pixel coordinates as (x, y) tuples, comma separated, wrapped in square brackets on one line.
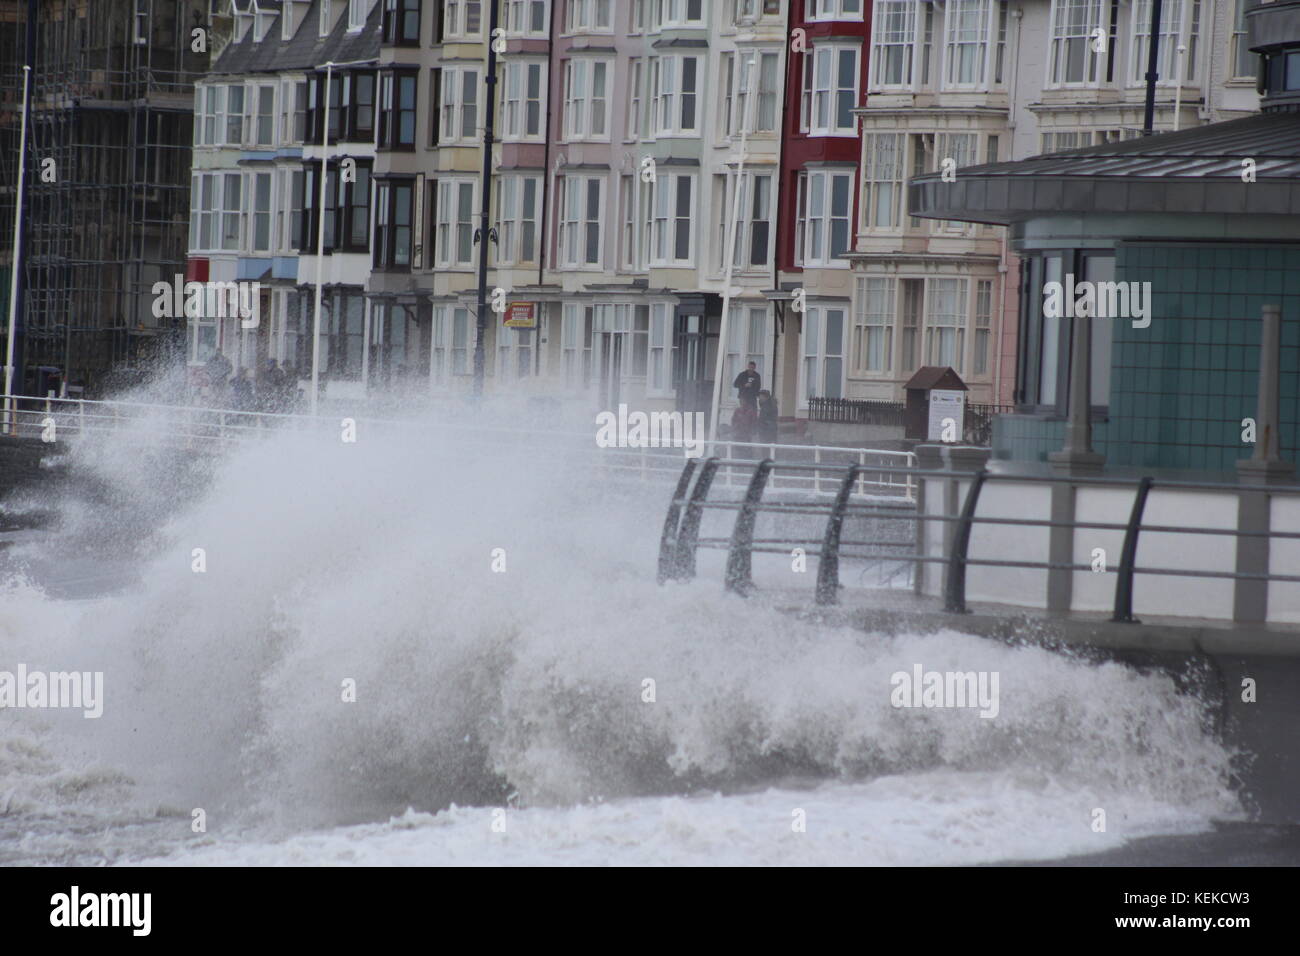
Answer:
[(767, 417), (747, 384)]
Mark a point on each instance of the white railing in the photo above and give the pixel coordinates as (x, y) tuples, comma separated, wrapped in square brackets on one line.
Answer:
[(199, 428)]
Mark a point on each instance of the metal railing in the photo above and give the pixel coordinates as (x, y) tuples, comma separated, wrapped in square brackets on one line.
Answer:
[(680, 539), (881, 472)]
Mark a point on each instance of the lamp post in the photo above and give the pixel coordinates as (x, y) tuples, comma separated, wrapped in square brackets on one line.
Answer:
[(751, 94), (1153, 66), (485, 194), (18, 243)]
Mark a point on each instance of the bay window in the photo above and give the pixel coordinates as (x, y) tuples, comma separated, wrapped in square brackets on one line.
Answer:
[(830, 90), (397, 95), (818, 10), (525, 18), (893, 38), (945, 319), (672, 229), (823, 352), (454, 222), (674, 84), (518, 201), (1072, 59), (1180, 23), (581, 201), (586, 99), (587, 15), (822, 225), (873, 327), (462, 19), (763, 117), (523, 98), (973, 28), (401, 23), (882, 180), (394, 212), (460, 87), (678, 13)]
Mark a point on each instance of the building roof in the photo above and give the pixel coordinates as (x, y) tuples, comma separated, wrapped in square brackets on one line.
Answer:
[(1197, 170), (935, 376), (307, 50)]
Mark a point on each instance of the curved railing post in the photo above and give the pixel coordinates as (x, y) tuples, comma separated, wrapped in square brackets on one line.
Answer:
[(668, 542), (1128, 557), (684, 563), (954, 587), (828, 565), (740, 556)]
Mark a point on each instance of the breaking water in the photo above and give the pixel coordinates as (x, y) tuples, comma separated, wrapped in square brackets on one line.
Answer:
[(489, 700)]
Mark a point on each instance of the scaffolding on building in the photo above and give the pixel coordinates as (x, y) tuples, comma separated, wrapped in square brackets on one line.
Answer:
[(108, 170)]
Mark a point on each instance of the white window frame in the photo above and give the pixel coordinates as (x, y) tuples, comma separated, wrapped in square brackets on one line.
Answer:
[(515, 100), (815, 222), (751, 218), (662, 344), (874, 315), (822, 11), (455, 23), (255, 215), (1175, 28), (982, 37), (635, 98), (670, 97), (577, 220), (884, 159), (254, 134), (816, 360), (452, 112), (518, 18), (589, 16), (583, 110), (357, 10), (677, 13), (514, 214), (818, 89), (452, 220), (577, 334), (737, 86), (894, 26), (961, 146), (935, 331), (1062, 37), (668, 220)]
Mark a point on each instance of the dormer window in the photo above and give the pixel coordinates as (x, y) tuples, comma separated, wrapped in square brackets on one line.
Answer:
[(262, 21), (326, 15), (357, 14)]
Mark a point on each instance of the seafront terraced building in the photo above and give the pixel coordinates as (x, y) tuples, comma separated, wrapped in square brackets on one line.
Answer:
[(620, 132)]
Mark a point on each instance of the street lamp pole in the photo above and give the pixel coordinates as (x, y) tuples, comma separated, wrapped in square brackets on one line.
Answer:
[(751, 95), (320, 240), (18, 243), (485, 206)]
